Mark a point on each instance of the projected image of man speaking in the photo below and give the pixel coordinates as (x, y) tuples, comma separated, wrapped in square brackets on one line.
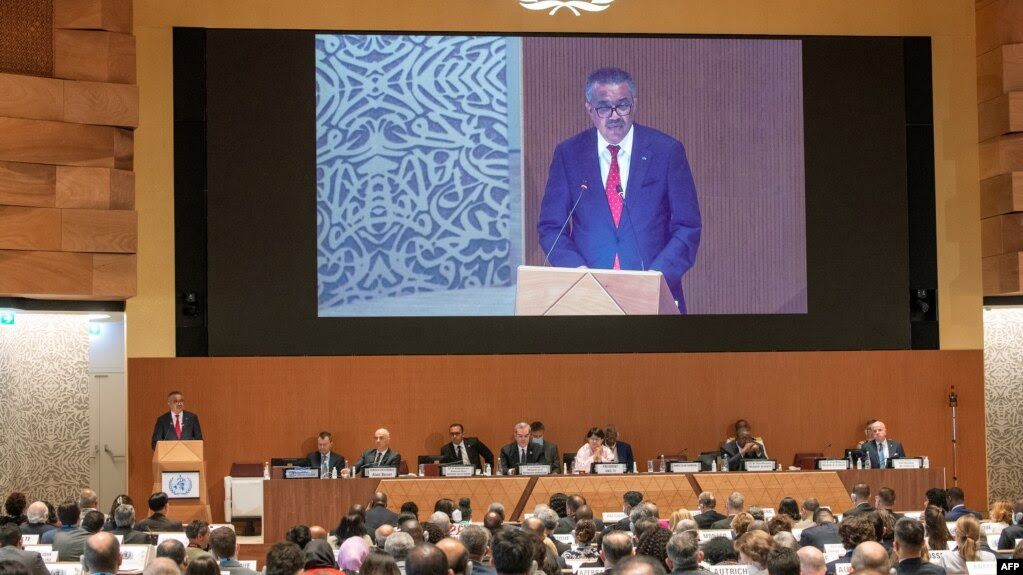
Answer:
[(625, 191)]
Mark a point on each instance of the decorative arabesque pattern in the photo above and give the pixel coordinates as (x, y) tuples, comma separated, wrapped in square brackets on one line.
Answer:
[(412, 166), (1003, 396), (44, 406)]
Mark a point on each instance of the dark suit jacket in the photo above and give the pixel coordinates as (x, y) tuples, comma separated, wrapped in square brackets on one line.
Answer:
[(35, 528), (473, 447), (391, 459), (164, 428), (134, 536), (861, 508), (567, 525), (847, 558), (377, 516), (510, 455), (731, 451), (660, 224), (335, 461), (30, 559), (708, 518), (550, 455), (820, 535), (959, 511), (723, 523), (480, 568), (623, 524), (920, 566), (159, 522), (894, 450), (624, 452), (1007, 540)]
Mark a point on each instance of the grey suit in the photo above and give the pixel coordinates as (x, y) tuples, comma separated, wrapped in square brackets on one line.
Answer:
[(159, 522), (551, 457), (30, 559), (70, 544), (390, 458), (820, 535), (235, 568)]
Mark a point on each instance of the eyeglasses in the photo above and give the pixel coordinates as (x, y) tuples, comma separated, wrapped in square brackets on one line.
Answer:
[(623, 109), (454, 433)]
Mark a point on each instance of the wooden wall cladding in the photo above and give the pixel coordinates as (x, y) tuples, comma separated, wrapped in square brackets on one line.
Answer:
[(253, 409), (1000, 121), (68, 229)]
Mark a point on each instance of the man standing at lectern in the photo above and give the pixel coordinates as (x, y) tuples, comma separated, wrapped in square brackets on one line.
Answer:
[(621, 195), (177, 424)]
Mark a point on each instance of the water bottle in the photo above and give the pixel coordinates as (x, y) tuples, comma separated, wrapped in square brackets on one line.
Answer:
[(866, 462), (859, 463), (266, 470), (333, 472), (634, 469), (714, 465), (926, 463), (421, 469), (486, 471)]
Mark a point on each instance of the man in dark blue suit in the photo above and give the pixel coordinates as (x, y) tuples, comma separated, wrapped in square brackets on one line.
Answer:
[(957, 505), (177, 424), (324, 457), (880, 449), (631, 189), (622, 450), (909, 539)]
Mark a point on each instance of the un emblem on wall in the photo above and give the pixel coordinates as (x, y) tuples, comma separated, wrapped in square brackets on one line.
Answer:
[(180, 485), (576, 7)]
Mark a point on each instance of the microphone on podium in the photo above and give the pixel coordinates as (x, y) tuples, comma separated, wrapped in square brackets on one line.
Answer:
[(632, 228), (582, 189)]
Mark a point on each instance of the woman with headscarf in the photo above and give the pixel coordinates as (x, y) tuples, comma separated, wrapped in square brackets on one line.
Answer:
[(319, 558), (353, 552)]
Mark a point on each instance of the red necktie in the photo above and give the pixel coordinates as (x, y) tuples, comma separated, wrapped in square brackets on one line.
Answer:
[(614, 201), (177, 425)]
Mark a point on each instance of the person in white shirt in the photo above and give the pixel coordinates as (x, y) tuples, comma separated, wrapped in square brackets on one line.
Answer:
[(594, 451)]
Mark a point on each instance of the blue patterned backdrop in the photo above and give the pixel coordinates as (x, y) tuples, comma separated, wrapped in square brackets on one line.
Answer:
[(413, 163)]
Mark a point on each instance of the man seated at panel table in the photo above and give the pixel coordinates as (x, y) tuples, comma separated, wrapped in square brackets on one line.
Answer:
[(522, 450), (381, 455), (465, 450), (550, 450), (880, 449), (621, 450), (324, 457), (744, 446)]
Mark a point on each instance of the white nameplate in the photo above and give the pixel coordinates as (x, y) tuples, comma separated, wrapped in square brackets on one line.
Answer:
[(380, 472), (951, 526), (37, 548), (992, 541), (937, 554), (48, 555), (565, 537), (843, 568), (534, 469), (907, 463), (708, 534), (684, 467), (981, 567), (834, 548), (222, 572), (989, 528), (64, 568), (177, 536), (249, 564), (768, 514), (829, 557), (613, 516), (180, 484), (913, 514), (574, 564), (759, 464), (29, 539), (458, 470), (219, 525), (609, 468), (120, 538), (729, 569), (832, 464), (134, 557), (797, 533), (589, 571)]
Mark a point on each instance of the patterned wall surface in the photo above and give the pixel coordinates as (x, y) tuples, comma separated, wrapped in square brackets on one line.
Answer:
[(1003, 396), (44, 406), (412, 166), (26, 37)]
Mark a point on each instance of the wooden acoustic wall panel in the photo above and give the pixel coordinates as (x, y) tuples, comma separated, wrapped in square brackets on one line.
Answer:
[(27, 184), (94, 55), (1002, 274), (767, 489), (98, 103), (97, 188), (685, 402), (45, 274), (481, 492), (1002, 234), (605, 494), (31, 97), (43, 142), (1001, 115), (999, 71), (106, 231), (24, 228), (1001, 194), (109, 15), (113, 276), (1001, 155), (998, 24)]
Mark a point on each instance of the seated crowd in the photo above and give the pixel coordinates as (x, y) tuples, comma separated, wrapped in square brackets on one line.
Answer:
[(796, 539)]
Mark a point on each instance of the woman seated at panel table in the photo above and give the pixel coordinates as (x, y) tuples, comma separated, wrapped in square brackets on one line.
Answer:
[(593, 452)]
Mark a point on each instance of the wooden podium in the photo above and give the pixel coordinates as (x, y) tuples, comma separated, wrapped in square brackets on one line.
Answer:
[(182, 456), (578, 291)]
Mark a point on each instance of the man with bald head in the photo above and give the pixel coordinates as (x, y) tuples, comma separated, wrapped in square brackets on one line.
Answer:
[(318, 532), (102, 553), (426, 559), (458, 556), (870, 555), (162, 566), (381, 534), (381, 455), (378, 513), (879, 448), (811, 561), (414, 529)]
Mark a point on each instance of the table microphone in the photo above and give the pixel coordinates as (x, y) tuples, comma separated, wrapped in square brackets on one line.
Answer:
[(582, 188), (632, 228)]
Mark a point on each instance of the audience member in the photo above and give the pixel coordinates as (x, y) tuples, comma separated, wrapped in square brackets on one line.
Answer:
[(163, 566), (493, 522), (158, 521), (10, 567), (1007, 540), (426, 559), (299, 535), (680, 515), (885, 501), (102, 552), (779, 523), (14, 508), (477, 541), (936, 528), (442, 521), (811, 561), (497, 507), (967, 547), (786, 539), (432, 533), (512, 552), (629, 500), (615, 547), (319, 557), (654, 543), (10, 550), (684, 554), (88, 501), (1000, 512), (719, 551), (853, 531), (788, 506), (741, 523), (936, 496), (71, 544), (378, 514), (783, 561), (283, 558), (124, 525), (550, 522), (456, 554), (824, 532), (122, 499), (909, 541), (684, 525), (36, 517), (224, 547), (410, 507), (352, 554), (809, 507), (203, 566), (68, 513), (708, 514), (351, 525), (754, 547), (733, 506), (869, 555), (198, 533), (379, 563), (398, 545), (861, 501), (640, 565), (173, 549), (957, 505), (381, 535), (557, 502), (756, 512)]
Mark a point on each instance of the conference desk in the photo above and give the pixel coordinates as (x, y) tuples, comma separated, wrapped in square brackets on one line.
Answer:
[(288, 502)]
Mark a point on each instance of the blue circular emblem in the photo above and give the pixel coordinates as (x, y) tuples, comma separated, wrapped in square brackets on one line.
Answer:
[(180, 485)]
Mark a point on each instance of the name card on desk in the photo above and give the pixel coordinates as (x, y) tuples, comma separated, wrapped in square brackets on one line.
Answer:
[(610, 517), (833, 548), (759, 464), (301, 473), (609, 468), (768, 514), (684, 467), (708, 534), (64, 568), (729, 569), (981, 567), (589, 571), (249, 564), (843, 568), (937, 554), (29, 539), (47, 552), (164, 536), (832, 464), (458, 470), (534, 469), (567, 538), (574, 564), (380, 472), (907, 463), (134, 557)]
